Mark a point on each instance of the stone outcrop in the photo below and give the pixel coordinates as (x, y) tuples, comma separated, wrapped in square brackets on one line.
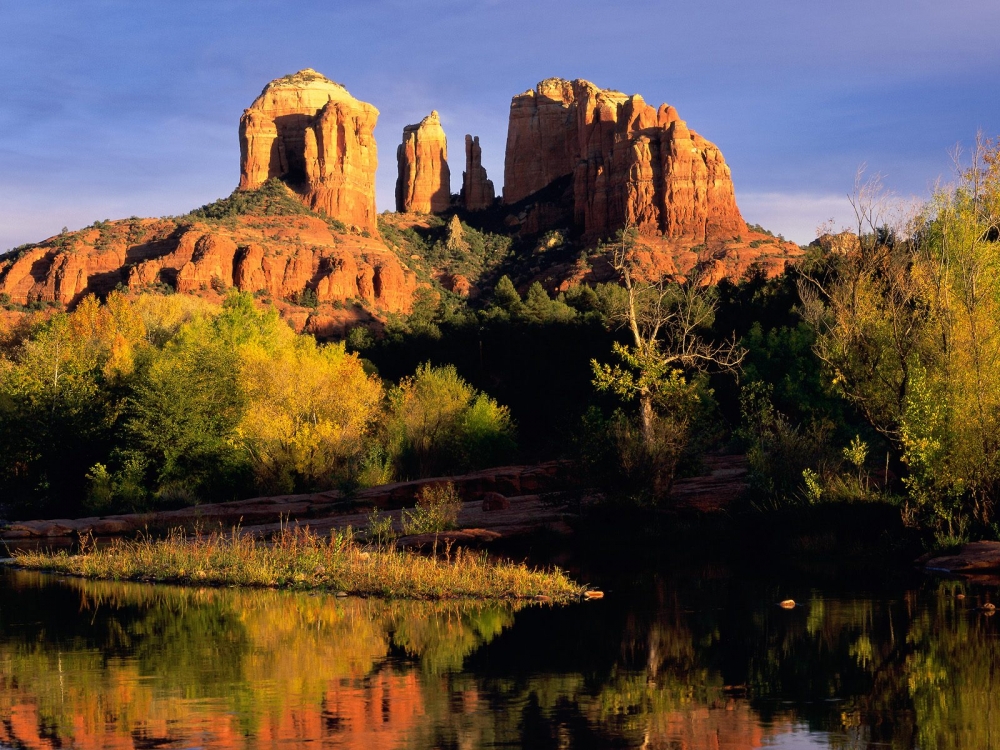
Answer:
[(309, 132), (477, 188), (627, 162), (281, 256), (424, 182), (841, 243)]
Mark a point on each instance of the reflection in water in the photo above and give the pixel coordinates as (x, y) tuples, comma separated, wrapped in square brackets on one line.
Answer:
[(701, 665)]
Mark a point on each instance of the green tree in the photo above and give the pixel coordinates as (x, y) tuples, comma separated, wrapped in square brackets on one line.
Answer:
[(439, 423), (667, 321)]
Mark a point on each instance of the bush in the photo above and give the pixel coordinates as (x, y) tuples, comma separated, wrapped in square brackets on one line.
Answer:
[(437, 510), (440, 424), (273, 198)]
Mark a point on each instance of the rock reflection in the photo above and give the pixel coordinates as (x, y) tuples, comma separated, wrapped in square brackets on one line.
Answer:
[(707, 665)]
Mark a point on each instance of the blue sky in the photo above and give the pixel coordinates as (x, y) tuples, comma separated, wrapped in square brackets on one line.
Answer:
[(110, 109)]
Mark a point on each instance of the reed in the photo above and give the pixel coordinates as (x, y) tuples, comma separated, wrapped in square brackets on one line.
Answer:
[(300, 559)]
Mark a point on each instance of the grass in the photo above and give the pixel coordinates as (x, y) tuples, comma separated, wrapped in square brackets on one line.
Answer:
[(300, 559)]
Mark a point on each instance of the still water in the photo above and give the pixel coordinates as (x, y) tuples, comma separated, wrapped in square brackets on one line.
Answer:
[(687, 662)]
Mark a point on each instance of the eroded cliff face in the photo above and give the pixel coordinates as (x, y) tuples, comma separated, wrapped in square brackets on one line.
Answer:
[(312, 134), (281, 255), (477, 188), (629, 163), (424, 182), (598, 160)]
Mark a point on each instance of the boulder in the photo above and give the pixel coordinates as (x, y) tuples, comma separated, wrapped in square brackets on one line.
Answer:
[(970, 558), (841, 243), (424, 182), (495, 501)]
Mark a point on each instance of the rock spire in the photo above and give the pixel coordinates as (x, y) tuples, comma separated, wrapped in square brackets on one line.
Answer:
[(424, 182), (477, 189)]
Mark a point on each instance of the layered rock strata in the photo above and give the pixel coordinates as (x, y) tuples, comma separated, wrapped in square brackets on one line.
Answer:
[(281, 256), (628, 163), (424, 182), (477, 188), (312, 134)]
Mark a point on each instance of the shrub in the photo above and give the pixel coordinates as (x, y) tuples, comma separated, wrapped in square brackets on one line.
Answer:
[(437, 510), (439, 424)]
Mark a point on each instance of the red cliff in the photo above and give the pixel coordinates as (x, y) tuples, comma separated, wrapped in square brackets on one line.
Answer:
[(312, 134), (629, 163)]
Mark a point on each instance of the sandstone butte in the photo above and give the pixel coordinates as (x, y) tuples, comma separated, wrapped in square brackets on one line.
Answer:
[(317, 139), (625, 163), (577, 156), (477, 189), (424, 182), (312, 134)]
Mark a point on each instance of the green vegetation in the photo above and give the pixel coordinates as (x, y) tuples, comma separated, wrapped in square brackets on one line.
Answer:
[(273, 198), (908, 325), (297, 558), (163, 401), (437, 510), (870, 375)]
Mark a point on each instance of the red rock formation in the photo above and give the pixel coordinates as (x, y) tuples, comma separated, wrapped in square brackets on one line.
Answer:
[(477, 189), (542, 143), (280, 255), (842, 243), (211, 264), (310, 132), (630, 164), (424, 182)]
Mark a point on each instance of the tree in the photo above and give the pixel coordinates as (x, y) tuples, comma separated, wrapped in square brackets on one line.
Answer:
[(437, 422), (908, 325), (310, 410), (668, 321)]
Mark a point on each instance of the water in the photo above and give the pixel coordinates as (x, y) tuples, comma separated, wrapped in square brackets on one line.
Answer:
[(680, 661)]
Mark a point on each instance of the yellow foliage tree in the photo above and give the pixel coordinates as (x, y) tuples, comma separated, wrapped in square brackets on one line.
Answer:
[(309, 414)]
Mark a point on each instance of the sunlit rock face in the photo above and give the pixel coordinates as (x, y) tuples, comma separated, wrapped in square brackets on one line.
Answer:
[(477, 188), (281, 256), (424, 182), (597, 160), (312, 134), (630, 164)]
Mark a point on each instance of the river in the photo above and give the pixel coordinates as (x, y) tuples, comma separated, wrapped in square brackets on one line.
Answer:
[(680, 660)]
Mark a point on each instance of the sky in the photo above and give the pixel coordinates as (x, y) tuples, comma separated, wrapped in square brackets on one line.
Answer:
[(112, 108)]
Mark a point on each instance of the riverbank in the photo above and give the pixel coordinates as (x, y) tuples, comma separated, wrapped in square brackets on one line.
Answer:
[(300, 559)]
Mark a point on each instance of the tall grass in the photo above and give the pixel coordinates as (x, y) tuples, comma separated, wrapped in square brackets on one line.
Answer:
[(297, 558)]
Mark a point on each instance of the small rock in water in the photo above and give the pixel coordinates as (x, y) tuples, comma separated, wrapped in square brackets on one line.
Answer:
[(593, 594), (787, 604), (542, 598), (341, 594), (989, 607), (959, 596)]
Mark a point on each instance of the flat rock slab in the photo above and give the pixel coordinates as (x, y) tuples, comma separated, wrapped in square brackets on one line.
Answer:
[(723, 481), (972, 557), (261, 512)]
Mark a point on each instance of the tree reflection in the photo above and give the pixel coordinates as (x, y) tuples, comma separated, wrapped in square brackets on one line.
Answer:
[(694, 663)]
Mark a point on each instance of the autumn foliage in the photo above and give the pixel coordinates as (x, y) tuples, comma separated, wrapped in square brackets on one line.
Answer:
[(155, 401)]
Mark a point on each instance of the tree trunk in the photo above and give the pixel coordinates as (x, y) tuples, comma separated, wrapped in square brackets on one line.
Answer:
[(646, 415)]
